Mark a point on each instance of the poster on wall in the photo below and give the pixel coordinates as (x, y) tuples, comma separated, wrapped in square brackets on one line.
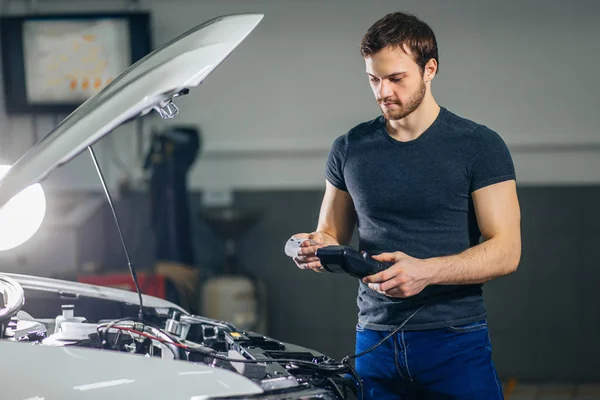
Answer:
[(52, 63), (69, 61)]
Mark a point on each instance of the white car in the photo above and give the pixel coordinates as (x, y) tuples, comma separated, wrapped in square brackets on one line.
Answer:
[(66, 340)]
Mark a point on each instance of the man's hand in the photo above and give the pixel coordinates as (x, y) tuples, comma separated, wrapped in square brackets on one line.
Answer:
[(407, 277), (306, 258)]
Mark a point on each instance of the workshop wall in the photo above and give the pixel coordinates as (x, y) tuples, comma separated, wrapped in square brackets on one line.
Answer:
[(271, 111)]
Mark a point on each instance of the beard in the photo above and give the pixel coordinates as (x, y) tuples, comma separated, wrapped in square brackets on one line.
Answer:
[(403, 110)]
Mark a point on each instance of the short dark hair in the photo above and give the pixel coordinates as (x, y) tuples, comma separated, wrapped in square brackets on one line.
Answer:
[(398, 30)]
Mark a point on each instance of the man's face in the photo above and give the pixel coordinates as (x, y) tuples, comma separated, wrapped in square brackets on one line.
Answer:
[(397, 82)]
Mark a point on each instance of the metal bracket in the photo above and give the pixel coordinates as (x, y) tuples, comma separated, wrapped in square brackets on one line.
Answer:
[(168, 111), (210, 332)]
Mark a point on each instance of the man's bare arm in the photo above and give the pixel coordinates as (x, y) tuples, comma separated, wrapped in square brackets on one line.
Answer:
[(337, 217), (499, 219), (498, 216)]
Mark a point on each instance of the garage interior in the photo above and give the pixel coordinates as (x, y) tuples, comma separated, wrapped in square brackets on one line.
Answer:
[(266, 120)]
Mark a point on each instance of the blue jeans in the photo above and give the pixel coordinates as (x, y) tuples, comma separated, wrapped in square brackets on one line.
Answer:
[(438, 364)]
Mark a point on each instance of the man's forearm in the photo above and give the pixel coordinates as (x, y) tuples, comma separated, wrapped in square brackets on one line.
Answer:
[(491, 259)]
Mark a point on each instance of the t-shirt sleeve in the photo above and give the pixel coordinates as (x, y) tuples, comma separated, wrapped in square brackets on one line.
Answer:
[(492, 162), (334, 169)]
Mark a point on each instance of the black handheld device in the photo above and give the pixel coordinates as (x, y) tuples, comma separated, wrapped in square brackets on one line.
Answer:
[(344, 259)]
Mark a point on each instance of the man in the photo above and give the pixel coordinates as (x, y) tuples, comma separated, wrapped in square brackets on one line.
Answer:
[(434, 194)]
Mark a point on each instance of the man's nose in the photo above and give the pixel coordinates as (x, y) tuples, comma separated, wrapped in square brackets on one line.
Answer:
[(385, 90)]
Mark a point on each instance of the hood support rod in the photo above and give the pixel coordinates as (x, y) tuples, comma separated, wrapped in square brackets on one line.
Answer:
[(114, 213)]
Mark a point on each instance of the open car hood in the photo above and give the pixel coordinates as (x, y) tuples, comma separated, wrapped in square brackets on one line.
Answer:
[(149, 84)]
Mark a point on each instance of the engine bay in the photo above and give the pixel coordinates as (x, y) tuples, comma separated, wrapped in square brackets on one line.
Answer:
[(45, 312)]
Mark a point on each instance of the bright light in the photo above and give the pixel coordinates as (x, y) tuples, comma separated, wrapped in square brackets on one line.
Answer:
[(22, 216)]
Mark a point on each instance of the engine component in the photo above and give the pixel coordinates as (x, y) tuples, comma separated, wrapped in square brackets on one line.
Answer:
[(252, 371), (176, 327), (71, 332), (68, 315), (12, 297), (24, 328)]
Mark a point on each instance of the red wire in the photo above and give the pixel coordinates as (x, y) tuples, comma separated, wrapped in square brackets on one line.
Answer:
[(122, 328)]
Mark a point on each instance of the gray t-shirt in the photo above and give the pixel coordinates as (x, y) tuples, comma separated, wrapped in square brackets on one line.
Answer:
[(415, 197)]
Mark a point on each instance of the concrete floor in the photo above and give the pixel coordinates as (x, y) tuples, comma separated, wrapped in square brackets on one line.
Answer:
[(527, 391)]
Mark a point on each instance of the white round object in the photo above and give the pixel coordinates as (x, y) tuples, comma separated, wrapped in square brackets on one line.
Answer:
[(22, 216), (231, 298)]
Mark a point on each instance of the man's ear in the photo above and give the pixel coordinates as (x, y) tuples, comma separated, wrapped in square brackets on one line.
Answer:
[(430, 70)]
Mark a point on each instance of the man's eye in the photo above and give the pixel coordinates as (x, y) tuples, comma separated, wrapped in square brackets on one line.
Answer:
[(374, 79), (395, 80)]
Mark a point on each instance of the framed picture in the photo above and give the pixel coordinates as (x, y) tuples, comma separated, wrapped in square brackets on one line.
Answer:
[(53, 63)]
